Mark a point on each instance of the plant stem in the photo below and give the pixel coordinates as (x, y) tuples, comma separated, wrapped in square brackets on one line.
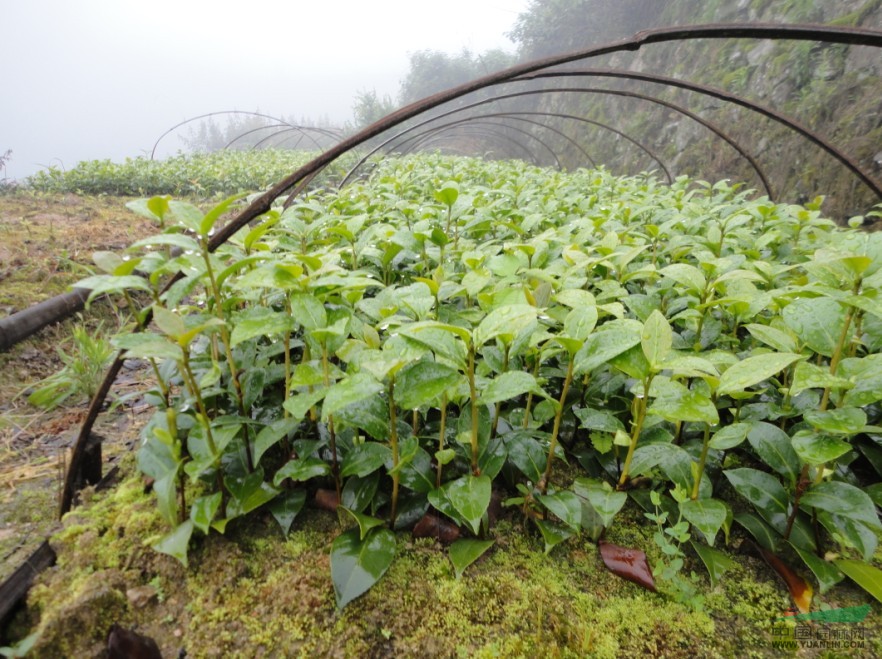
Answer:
[(441, 432), (393, 440), (530, 395), (498, 407), (473, 394), (641, 404), (546, 477), (335, 467)]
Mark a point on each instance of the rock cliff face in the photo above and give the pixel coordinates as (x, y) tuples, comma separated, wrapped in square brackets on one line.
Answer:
[(831, 89)]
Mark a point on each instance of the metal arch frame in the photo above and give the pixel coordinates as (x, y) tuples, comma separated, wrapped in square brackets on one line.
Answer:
[(518, 116), (486, 131), (296, 181), (599, 124), (485, 120), (673, 106), (813, 136), (282, 122)]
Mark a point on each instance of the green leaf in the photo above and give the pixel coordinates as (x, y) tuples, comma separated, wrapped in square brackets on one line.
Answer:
[(527, 454), (730, 436), (765, 536), (706, 515), (605, 502), (370, 414), (260, 321), (774, 447), (466, 551), (580, 322), (365, 522), (714, 560), (674, 402), (299, 404), (101, 284), (286, 507), (602, 346), (505, 321), (186, 214), (818, 322), (301, 469), (353, 389), (166, 489), (809, 376), (817, 449), (448, 194), (764, 492), (772, 336), (827, 574), (423, 382), (686, 275), (841, 498), (841, 421), (509, 385), (593, 419), (203, 511), (470, 497), (866, 576), (147, 346), (175, 543), (178, 240), (565, 505), (657, 338), (212, 216), (248, 492), (308, 311), (271, 435), (358, 564), (753, 370), (364, 459), (553, 534)]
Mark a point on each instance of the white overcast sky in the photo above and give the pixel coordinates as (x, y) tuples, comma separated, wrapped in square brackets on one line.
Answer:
[(84, 79)]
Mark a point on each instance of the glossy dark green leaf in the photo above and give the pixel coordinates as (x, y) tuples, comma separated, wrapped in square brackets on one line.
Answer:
[(175, 543), (706, 515), (298, 405), (866, 576), (602, 346), (419, 474), (818, 322), (580, 322), (301, 469), (286, 507), (594, 419), (423, 382), (308, 311), (370, 414), (353, 389), (564, 505), (470, 496), (358, 492), (553, 534), (358, 564), (510, 385), (365, 522), (765, 536), (764, 492), (729, 436), (841, 498), (817, 449), (260, 321), (271, 435), (203, 510), (851, 533), (657, 338), (773, 446), (466, 551), (714, 560), (527, 454), (753, 370), (505, 321), (773, 337), (248, 493), (810, 376), (674, 402), (602, 499), (364, 459), (840, 421), (826, 572)]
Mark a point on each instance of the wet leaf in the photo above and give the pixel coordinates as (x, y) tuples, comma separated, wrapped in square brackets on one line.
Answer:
[(510, 385), (754, 370), (706, 515), (818, 449), (553, 534), (422, 383), (365, 522), (841, 498), (841, 421), (564, 505), (301, 469), (827, 574), (175, 543), (866, 576), (657, 338), (358, 564), (818, 322), (774, 447), (629, 564), (464, 552), (714, 560), (286, 507), (470, 497)]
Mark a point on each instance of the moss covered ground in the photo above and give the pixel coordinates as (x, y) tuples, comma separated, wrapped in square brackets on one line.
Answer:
[(254, 593)]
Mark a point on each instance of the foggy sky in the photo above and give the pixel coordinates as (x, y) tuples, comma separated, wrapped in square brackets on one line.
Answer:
[(85, 79)]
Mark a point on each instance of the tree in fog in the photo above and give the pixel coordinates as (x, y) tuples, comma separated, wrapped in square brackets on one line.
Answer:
[(432, 71), (369, 107)]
